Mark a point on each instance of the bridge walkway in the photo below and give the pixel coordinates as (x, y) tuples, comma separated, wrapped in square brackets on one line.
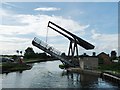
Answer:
[(51, 50)]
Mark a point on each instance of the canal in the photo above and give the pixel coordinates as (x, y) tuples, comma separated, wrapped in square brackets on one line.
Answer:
[(49, 75)]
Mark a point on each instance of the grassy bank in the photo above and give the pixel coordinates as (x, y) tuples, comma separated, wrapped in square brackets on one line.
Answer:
[(10, 67), (115, 68), (6, 67)]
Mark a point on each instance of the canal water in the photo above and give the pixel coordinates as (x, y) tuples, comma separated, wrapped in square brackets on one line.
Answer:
[(49, 75)]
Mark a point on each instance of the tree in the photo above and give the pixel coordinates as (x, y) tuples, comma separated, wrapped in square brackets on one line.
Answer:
[(21, 52), (113, 55), (119, 58), (14, 57), (94, 53), (17, 51), (42, 55), (29, 53)]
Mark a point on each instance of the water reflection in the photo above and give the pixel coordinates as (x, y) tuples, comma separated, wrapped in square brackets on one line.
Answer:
[(76, 80), (81, 80), (48, 75)]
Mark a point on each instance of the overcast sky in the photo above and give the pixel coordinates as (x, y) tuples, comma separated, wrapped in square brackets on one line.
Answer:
[(95, 22)]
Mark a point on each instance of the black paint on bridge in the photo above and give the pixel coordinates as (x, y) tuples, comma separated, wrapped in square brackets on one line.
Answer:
[(52, 51), (74, 38), (73, 46)]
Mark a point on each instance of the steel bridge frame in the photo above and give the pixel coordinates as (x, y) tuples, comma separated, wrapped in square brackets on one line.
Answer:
[(74, 40)]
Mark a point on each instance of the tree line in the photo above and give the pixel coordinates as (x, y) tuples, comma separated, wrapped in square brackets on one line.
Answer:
[(29, 53)]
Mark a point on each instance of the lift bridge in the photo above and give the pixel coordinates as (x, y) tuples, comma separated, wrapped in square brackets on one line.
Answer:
[(73, 46)]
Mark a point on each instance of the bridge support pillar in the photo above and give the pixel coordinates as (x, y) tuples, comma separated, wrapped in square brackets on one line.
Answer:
[(73, 52), (72, 49)]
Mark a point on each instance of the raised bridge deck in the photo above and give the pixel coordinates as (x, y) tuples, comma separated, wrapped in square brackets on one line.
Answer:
[(50, 50)]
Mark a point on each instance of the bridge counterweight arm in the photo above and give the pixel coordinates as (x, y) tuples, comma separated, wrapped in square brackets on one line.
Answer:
[(78, 40), (61, 33)]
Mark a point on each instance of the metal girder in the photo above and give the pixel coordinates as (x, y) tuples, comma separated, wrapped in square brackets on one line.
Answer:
[(74, 38), (74, 41), (72, 49)]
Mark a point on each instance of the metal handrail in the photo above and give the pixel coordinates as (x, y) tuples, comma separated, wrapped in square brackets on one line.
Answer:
[(45, 45)]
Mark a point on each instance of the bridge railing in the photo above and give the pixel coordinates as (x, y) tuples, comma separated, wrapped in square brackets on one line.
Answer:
[(45, 45)]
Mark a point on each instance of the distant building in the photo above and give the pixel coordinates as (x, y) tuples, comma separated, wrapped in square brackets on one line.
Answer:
[(88, 62), (104, 58)]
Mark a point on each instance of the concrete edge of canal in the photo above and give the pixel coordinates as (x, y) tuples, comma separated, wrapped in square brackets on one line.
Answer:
[(105, 75), (90, 72)]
